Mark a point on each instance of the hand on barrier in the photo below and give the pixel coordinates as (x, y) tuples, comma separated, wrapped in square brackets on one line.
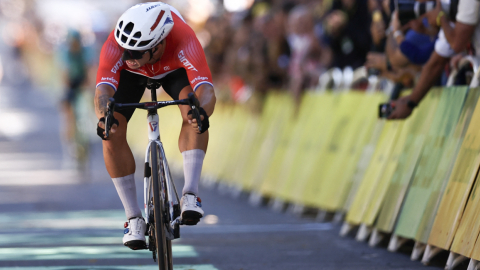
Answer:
[(403, 107)]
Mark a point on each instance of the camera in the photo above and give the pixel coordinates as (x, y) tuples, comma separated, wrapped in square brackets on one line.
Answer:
[(410, 9), (384, 110)]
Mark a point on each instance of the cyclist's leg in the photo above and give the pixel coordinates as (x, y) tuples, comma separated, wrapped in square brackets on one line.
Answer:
[(120, 162), (192, 145), (116, 151)]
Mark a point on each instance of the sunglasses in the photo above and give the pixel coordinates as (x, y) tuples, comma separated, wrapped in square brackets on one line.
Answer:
[(132, 55)]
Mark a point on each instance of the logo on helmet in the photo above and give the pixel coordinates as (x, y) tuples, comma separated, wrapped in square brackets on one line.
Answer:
[(150, 7), (168, 20), (159, 18)]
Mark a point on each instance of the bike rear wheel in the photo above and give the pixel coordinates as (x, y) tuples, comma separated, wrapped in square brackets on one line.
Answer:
[(163, 245)]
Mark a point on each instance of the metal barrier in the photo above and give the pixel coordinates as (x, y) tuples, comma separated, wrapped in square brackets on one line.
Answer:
[(467, 60)]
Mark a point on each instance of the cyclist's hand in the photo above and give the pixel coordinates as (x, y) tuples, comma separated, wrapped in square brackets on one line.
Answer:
[(101, 127), (203, 117), (193, 122)]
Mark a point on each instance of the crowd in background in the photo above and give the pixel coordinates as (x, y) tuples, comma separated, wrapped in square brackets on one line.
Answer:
[(269, 45), (285, 44), (288, 44)]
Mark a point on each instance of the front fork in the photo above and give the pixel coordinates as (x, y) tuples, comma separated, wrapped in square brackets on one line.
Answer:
[(167, 185)]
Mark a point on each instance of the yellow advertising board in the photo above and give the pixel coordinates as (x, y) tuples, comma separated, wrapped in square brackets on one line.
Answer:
[(458, 188)]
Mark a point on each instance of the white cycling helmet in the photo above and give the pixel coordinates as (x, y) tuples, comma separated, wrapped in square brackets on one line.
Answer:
[(143, 26)]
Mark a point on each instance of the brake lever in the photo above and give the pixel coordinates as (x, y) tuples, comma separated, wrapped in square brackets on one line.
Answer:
[(194, 105), (109, 116)]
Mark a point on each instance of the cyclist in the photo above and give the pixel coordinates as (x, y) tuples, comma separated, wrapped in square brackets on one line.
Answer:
[(152, 40), (75, 62)]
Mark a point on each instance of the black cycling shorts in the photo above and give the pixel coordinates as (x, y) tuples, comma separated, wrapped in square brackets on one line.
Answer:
[(132, 86)]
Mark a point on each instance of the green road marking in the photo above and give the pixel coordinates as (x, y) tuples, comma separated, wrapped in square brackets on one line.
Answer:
[(8, 240), (137, 267), (90, 252), (99, 219)]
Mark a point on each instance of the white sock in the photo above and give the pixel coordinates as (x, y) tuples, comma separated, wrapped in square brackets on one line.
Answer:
[(128, 195), (192, 168)]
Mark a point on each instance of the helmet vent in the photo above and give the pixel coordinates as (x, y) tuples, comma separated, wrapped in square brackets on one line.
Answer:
[(118, 33), (144, 43), (124, 38), (128, 29), (120, 25), (137, 35), (132, 42)]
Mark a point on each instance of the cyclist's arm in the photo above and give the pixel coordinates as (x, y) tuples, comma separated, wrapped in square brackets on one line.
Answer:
[(206, 97), (102, 94)]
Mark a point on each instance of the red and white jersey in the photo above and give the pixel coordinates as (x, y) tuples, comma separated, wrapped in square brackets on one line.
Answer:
[(183, 50)]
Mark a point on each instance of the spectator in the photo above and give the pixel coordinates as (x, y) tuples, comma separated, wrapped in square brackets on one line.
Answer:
[(347, 32), (404, 53), (451, 40), (306, 62)]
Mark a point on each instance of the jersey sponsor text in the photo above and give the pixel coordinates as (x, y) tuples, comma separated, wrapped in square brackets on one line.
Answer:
[(199, 78), (185, 62), (111, 79), (117, 66)]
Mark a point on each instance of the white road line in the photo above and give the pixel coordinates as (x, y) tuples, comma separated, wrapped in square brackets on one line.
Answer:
[(113, 267), (220, 229), (86, 252)]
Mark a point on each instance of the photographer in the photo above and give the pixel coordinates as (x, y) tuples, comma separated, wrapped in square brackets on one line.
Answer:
[(453, 38)]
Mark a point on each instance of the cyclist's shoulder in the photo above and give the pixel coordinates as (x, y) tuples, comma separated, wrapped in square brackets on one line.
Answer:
[(111, 51), (181, 32)]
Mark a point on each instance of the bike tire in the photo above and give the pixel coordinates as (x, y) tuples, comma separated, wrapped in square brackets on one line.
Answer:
[(164, 248)]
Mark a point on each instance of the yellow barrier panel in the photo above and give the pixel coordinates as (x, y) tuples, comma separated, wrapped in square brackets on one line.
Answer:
[(338, 177), (375, 170), (247, 144), (285, 154), (216, 140), (363, 163), (476, 251), (427, 192), (433, 138), (292, 180), (221, 128), (300, 192), (245, 176), (469, 228), (277, 113), (237, 128), (275, 141), (343, 120), (379, 187), (377, 178), (458, 187)]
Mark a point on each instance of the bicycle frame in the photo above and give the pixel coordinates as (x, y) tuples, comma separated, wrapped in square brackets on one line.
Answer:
[(154, 141)]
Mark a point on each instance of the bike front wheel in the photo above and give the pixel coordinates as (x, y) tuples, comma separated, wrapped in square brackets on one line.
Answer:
[(163, 245)]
